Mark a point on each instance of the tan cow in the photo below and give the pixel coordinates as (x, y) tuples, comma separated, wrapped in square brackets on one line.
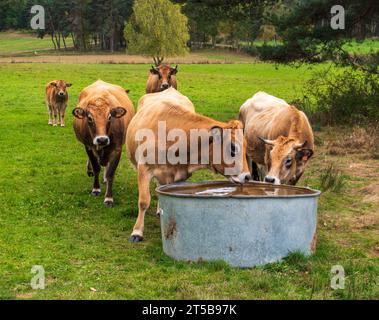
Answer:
[(101, 121), (161, 78), (279, 138), (176, 113), (56, 101)]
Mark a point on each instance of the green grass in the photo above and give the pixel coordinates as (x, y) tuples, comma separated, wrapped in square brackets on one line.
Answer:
[(365, 46), (17, 43), (48, 218), (362, 47)]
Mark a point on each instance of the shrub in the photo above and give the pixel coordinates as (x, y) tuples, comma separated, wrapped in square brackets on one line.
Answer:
[(341, 96), (332, 179)]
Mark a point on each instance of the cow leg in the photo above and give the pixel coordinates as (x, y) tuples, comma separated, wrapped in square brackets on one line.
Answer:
[(50, 115), (144, 178), (61, 114), (89, 169), (159, 210), (109, 175), (55, 113), (105, 175), (254, 171), (96, 171)]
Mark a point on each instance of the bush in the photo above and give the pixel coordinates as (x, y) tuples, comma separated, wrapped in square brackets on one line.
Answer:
[(274, 53), (340, 96), (332, 179)]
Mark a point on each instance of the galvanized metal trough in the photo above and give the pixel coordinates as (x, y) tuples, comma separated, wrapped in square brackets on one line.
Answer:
[(246, 226)]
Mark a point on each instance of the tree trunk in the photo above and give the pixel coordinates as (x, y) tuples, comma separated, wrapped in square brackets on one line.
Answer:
[(52, 39)]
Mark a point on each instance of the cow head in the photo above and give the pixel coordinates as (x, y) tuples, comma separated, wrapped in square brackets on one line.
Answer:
[(231, 161), (60, 88), (286, 159), (99, 121), (165, 74)]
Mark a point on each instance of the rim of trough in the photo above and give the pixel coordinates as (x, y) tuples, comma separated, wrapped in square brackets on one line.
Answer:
[(161, 190)]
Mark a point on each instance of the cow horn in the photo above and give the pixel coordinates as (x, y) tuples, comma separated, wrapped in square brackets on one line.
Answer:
[(269, 142), (301, 145)]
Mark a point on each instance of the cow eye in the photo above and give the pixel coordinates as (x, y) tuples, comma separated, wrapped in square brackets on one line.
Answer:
[(109, 117), (90, 119), (288, 163)]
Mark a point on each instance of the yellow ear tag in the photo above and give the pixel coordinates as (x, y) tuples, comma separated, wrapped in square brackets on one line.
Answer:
[(305, 158)]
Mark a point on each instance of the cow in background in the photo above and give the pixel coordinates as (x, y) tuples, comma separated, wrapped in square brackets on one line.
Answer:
[(161, 78), (101, 121), (279, 139), (56, 101)]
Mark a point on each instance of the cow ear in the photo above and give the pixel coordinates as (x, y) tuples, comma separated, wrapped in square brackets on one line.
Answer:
[(216, 134), (174, 71), (303, 154), (127, 90), (154, 70), (68, 85), (79, 113), (53, 84), (118, 112)]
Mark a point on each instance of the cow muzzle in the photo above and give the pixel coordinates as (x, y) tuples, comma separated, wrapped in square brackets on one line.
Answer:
[(165, 86), (61, 94), (242, 178), (271, 179), (101, 141)]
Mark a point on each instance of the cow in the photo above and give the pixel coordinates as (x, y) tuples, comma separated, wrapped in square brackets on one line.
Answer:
[(161, 78), (279, 139), (56, 101), (101, 120), (177, 112)]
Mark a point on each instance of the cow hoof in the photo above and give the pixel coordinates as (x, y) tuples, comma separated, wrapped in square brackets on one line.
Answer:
[(62, 125), (54, 125), (108, 203), (159, 212), (135, 238), (96, 192)]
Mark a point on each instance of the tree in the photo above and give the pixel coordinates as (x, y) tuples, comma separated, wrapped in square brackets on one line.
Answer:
[(305, 28), (157, 28)]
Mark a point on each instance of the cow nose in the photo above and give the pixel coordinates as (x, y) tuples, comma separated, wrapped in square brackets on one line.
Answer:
[(101, 141), (244, 177), (269, 179), (61, 94), (165, 86)]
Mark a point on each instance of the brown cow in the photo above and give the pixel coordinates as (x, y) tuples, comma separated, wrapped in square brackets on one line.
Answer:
[(176, 113), (101, 121), (279, 138), (161, 78), (56, 101)]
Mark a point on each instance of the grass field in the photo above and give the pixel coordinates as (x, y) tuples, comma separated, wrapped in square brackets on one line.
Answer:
[(12, 42), (48, 218), (22, 44)]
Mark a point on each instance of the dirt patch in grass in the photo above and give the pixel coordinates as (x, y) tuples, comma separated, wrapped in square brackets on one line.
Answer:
[(361, 140), (371, 193), (25, 295), (366, 221)]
